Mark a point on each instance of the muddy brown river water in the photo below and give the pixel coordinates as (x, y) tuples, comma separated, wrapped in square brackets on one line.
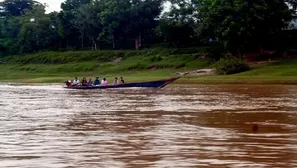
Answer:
[(179, 126)]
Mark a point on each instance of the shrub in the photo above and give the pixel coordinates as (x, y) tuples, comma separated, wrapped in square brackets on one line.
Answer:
[(156, 59), (231, 65), (137, 66)]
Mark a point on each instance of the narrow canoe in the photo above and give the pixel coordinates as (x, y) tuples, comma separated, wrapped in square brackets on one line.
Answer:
[(150, 84)]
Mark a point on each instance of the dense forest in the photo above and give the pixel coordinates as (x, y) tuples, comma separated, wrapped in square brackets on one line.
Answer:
[(232, 25)]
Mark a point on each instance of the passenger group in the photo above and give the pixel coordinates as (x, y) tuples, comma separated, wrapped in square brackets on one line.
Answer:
[(97, 82)]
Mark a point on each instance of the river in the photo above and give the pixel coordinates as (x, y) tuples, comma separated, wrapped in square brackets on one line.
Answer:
[(46, 126)]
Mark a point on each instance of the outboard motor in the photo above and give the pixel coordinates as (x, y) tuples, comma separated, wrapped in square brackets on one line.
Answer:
[(68, 83)]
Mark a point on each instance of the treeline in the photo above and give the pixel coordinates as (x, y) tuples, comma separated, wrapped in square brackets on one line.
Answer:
[(233, 25)]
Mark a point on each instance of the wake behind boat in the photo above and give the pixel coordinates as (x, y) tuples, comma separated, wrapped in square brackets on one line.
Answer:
[(150, 84)]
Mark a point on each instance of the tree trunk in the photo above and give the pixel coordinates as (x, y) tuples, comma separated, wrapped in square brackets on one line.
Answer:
[(82, 40), (137, 43), (91, 46), (140, 42), (113, 42), (94, 43), (21, 49), (37, 40)]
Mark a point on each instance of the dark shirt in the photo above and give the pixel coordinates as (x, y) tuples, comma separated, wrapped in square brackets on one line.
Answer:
[(97, 82), (122, 81)]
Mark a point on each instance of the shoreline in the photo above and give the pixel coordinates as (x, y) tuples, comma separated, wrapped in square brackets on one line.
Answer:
[(188, 80), (139, 66)]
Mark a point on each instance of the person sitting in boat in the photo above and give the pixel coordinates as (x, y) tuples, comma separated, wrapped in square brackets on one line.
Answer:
[(116, 81), (122, 80), (90, 82), (104, 82), (97, 81), (84, 82), (75, 82)]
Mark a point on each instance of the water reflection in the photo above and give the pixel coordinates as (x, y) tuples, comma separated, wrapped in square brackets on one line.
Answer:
[(178, 126)]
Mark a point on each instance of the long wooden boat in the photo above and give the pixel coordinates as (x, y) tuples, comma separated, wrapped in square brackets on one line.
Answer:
[(150, 84)]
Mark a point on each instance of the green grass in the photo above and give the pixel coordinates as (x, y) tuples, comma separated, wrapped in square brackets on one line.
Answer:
[(9, 75), (147, 64), (99, 56), (278, 72), (144, 65)]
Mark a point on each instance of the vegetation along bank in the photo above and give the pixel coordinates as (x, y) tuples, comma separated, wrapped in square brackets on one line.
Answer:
[(244, 41), (144, 65)]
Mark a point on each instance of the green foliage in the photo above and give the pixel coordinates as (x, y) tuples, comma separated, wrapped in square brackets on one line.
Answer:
[(69, 5), (177, 26), (52, 69), (15, 7), (156, 59), (36, 30), (216, 51), (231, 65), (124, 19), (65, 57), (105, 61), (82, 24), (241, 24), (236, 26), (278, 72)]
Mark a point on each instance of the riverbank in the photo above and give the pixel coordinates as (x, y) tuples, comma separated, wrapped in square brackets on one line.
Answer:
[(145, 65)]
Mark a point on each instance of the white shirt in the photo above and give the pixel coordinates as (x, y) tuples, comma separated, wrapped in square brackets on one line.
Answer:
[(115, 82), (75, 82)]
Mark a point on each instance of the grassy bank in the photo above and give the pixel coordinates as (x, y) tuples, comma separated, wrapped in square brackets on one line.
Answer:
[(132, 65), (275, 72), (150, 64)]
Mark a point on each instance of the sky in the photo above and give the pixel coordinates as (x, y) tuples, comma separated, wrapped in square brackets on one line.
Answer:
[(53, 5)]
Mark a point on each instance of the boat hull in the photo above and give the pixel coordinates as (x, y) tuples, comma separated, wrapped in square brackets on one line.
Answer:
[(151, 84)]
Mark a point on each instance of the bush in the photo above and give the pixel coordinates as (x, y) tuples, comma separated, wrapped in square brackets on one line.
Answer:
[(216, 51), (137, 66), (156, 59), (231, 65)]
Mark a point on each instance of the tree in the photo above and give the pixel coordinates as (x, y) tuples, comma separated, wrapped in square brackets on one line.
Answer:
[(178, 25), (66, 30), (176, 33), (36, 30), (293, 4), (114, 18), (71, 26), (123, 19), (242, 24), (88, 23), (9, 30), (15, 7), (58, 35), (71, 5), (143, 14)]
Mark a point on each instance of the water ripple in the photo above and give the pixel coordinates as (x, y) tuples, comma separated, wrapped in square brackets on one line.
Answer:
[(178, 126)]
